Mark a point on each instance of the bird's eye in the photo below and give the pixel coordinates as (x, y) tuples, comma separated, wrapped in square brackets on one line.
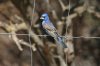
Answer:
[(43, 16)]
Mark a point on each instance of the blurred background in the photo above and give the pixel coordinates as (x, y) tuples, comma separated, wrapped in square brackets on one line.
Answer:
[(17, 48)]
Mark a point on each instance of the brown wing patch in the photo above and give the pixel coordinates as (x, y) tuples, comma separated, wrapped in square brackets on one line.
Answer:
[(47, 27)]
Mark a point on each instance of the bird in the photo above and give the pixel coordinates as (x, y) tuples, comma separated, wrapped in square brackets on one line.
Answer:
[(51, 30)]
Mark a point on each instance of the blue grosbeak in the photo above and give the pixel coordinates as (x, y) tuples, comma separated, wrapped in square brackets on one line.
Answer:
[(51, 30)]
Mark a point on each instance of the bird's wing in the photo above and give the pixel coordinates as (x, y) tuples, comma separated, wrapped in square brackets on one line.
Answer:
[(49, 26), (50, 29)]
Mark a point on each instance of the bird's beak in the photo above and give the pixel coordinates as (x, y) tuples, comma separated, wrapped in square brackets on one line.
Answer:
[(41, 18)]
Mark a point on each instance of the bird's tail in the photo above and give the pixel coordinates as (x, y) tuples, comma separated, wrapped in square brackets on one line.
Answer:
[(61, 41)]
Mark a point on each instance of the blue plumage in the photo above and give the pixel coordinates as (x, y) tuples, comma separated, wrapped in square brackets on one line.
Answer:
[(51, 30)]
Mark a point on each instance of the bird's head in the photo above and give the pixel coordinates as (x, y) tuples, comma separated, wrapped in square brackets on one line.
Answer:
[(44, 16)]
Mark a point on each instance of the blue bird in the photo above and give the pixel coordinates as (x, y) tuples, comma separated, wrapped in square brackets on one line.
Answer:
[(51, 30)]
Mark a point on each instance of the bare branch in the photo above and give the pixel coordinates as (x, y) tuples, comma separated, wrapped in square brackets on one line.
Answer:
[(28, 45), (62, 62), (14, 37), (62, 5)]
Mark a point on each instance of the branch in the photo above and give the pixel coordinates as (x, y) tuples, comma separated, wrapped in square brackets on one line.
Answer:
[(15, 39), (62, 62), (12, 28), (62, 5), (27, 44)]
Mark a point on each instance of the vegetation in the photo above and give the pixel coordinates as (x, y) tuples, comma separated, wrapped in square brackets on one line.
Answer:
[(23, 42)]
